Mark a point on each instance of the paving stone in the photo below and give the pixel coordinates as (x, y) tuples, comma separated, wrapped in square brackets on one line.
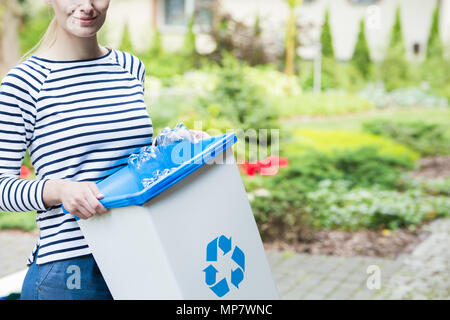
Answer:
[(362, 294), (328, 265), (15, 247), (358, 278), (338, 295), (325, 287), (293, 295), (274, 257), (314, 296), (347, 287), (286, 284), (287, 264), (298, 292)]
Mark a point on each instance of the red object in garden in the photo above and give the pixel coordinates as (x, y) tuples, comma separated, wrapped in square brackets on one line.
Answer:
[(25, 173), (266, 167)]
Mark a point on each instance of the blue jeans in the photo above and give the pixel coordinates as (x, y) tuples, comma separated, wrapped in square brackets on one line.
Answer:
[(71, 279)]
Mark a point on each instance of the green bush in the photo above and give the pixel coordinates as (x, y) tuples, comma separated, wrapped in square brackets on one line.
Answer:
[(165, 66), (292, 210), (434, 72), (335, 75), (363, 167), (18, 220), (435, 187), (281, 215), (329, 141), (336, 205), (426, 138)]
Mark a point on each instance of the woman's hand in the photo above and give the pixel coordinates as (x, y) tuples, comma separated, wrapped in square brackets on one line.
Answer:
[(199, 135), (79, 198)]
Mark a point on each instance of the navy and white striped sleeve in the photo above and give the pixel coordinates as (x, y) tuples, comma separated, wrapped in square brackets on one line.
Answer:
[(17, 118), (143, 75), (140, 73)]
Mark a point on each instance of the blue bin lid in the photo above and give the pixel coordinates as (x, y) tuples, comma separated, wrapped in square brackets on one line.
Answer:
[(122, 189)]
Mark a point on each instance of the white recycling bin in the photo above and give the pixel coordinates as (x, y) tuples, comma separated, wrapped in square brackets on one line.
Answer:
[(197, 239)]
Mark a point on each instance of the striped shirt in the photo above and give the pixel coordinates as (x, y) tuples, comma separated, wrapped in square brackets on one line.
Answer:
[(80, 120)]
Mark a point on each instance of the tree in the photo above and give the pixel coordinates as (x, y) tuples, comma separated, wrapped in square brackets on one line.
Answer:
[(126, 44), (361, 55), (189, 51), (189, 40), (291, 34), (434, 46), (396, 40), (156, 48), (326, 39), (395, 68)]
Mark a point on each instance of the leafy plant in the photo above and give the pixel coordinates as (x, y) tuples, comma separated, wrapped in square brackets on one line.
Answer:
[(426, 138), (335, 205), (403, 97), (290, 211), (363, 167)]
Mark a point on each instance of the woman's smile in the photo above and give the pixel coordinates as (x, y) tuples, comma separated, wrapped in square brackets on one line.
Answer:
[(86, 21)]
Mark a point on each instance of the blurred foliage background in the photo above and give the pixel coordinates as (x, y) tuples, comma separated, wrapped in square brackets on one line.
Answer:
[(351, 147)]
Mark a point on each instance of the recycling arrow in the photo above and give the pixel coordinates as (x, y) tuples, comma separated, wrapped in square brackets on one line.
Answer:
[(210, 275), (236, 276)]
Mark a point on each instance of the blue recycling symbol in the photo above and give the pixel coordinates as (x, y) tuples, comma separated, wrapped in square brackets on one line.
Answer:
[(221, 287)]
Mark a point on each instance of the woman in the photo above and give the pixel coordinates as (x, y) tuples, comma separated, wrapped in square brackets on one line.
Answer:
[(79, 109)]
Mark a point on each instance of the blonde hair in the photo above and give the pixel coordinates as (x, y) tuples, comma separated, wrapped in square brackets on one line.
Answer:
[(47, 40)]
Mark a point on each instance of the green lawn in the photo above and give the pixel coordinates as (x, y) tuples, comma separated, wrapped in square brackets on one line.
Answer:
[(354, 121)]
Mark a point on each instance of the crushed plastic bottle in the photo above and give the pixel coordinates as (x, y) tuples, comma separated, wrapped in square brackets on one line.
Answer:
[(179, 133), (158, 174), (154, 162)]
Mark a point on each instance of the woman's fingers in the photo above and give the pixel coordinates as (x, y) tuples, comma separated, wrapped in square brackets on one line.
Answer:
[(81, 213), (95, 190), (85, 208), (92, 199)]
